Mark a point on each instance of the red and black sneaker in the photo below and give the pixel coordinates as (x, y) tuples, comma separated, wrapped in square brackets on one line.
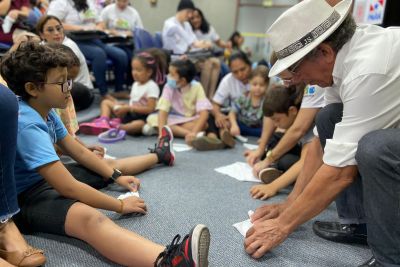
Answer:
[(163, 148), (191, 252)]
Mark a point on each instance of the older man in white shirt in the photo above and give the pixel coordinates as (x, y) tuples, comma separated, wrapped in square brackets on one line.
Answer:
[(360, 64)]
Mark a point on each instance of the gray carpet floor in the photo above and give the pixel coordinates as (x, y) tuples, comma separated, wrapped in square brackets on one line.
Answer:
[(189, 193)]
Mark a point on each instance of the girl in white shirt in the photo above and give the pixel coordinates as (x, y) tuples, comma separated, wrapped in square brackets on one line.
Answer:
[(148, 71)]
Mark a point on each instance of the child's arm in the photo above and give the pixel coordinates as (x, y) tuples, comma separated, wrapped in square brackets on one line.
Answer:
[(63, 182), (265, 191), (84, 156), (235, 130), (201, 122), (162, 120), (149, 108)]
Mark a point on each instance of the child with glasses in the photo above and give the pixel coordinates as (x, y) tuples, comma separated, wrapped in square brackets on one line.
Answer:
[(51, 199)]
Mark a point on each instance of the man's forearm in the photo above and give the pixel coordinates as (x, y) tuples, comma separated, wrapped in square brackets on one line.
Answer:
[(216, 109), (327, 183), (312, 162)]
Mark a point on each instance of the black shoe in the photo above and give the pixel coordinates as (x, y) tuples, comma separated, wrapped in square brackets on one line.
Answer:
[(164, 149), (372, 262), (192, 251), (342, 233)]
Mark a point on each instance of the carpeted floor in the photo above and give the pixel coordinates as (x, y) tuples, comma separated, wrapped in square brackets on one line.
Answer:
[(192, 192)]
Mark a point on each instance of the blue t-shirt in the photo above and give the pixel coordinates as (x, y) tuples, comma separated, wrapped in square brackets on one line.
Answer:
[(35, 144)]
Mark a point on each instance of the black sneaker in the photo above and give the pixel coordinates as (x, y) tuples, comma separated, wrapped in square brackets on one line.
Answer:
[(163, 148), (342, 233), (191, 252), (372, 262)]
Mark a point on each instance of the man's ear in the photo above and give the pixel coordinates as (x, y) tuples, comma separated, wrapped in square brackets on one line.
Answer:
[(31, 89), (328, 52)]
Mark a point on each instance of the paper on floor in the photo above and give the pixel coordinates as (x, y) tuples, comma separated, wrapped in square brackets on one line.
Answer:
[(244, 226), (250, 146), (181, 147), (129, 194), (240, 171), (106, 156)]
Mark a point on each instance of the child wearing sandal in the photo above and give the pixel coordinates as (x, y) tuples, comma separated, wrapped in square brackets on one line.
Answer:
[(246, 115), (51, 199), (281, 105), (183, 105), (148, 71)]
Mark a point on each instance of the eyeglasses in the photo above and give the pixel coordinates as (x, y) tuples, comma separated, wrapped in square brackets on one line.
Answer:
[(58, 28), (65, 86), (292, 70)]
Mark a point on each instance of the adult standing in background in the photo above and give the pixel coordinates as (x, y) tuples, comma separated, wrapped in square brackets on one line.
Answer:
[(358, 128)]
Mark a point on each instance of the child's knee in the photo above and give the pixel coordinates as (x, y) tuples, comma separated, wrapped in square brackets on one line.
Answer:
[(83, 218)]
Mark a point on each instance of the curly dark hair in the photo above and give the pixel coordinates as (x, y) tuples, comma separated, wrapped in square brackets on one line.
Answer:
[(30, 62), (80, 5)]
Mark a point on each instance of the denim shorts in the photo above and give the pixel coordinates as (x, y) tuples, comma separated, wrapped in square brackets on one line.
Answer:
[(44, 210)]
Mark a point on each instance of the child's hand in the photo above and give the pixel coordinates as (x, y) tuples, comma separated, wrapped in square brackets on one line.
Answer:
[(263, 191), (133, 204), (260, 166), (221, 121), (129, 182), (252, 156), (235, 130), (98, 150), (189, 138)]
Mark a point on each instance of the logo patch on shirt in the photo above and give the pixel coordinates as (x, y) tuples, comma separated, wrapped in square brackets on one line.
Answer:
[(309, 91)]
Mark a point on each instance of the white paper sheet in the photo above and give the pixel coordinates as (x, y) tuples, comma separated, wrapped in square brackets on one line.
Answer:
[(244, 226), (250, 146), (181, 147), (240, 171), (129, 194)]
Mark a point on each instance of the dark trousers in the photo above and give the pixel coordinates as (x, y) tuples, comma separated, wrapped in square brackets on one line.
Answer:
[(8, 144), (374, 197)]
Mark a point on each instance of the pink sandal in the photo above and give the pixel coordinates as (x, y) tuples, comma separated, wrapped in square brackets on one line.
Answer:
[(95, 127)]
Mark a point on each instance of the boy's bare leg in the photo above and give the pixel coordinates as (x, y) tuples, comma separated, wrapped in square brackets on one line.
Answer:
[(134, 165), (106, 107), (110, 240)]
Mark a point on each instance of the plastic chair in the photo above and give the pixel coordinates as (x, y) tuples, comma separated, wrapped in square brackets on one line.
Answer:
[(143, 39)]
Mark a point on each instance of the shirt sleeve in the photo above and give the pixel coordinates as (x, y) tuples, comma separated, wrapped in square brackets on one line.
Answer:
[(139, 23), (222, 92), (35, 146), (202, 102), (165, 101), (153, 91), (314, 97), (59, 127), (58, 8), (214, 35), (370, 103)]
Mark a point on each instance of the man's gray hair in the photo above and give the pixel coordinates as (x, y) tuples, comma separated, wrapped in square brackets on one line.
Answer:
[(342, 34)]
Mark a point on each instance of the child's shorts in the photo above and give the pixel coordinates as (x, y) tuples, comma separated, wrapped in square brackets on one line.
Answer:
[(132, 116), (43, 209)]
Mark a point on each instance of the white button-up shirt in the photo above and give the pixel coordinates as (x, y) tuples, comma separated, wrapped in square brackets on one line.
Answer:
[(366, 79), (177, 36)]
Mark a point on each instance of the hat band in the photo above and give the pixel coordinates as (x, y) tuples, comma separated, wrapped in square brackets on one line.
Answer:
[(309, 37)]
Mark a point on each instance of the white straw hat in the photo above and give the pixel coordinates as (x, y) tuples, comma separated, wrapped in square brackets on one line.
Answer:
[(302, 28)]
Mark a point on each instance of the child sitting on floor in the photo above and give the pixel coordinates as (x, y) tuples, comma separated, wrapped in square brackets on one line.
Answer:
[(246, 115), (183, 105), (281, 105), (148, 71), (47, 189)]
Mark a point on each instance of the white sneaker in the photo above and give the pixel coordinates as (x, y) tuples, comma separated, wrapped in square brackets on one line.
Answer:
[(147, 130)]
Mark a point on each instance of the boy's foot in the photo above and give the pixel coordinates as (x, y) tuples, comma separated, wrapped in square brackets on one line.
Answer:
[(227, 139), (268, 175), (192, 252), (164, 149), (148, 130), (205, 143), (95, 127)]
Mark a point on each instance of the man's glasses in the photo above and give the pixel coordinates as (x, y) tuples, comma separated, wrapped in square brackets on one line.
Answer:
[(58, 28), (292, 70), (65, 86)]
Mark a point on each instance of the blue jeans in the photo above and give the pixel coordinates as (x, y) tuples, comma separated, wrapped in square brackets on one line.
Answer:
[(8, 143), (374, 196), (250, 131), (98, 52)]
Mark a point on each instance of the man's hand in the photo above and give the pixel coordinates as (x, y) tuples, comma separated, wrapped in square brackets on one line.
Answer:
[(264, 236), (129, 182), (269, 211)]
